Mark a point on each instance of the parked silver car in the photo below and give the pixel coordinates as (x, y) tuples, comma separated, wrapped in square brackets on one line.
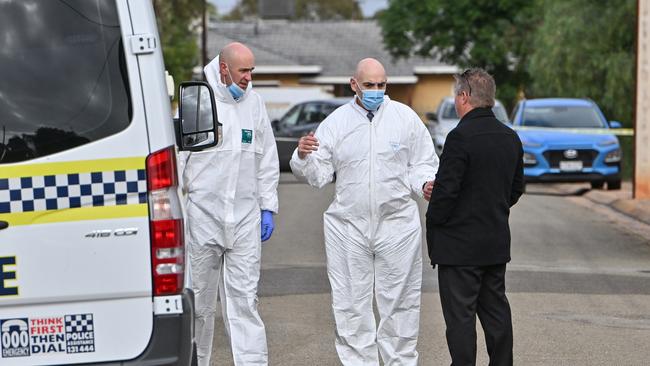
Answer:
[(445, 119)]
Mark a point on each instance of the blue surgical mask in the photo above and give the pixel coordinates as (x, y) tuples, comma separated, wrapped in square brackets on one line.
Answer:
[(235, 90), (372, 99)]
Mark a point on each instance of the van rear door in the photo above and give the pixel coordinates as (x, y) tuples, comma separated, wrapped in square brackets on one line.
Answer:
[(75, 261)]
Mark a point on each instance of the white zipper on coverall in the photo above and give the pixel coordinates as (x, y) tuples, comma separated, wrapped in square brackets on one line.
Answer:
[(371, 176)]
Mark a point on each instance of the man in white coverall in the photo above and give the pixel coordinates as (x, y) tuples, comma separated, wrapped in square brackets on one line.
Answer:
[(231, 197), (381, 153)]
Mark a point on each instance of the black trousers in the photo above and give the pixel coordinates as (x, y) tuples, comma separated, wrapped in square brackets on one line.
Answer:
[(467, 291)]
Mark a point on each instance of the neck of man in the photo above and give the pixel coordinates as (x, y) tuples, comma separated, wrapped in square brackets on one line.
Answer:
[(358, 101), (466, 109)]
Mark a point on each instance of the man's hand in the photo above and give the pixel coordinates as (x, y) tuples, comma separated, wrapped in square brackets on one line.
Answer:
[(427, 189), (307, 145)]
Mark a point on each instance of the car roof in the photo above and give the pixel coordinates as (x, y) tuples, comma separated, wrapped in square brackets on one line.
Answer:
[(558, 102)]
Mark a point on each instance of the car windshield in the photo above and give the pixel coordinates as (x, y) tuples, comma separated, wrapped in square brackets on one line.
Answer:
[(63, 81), (449, 112), (562, 117)]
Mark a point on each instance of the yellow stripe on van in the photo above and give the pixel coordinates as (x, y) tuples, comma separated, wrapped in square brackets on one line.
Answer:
[(75, 214), (68, 167)]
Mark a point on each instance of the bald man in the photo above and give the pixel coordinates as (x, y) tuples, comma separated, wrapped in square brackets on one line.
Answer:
[(232, 195), (381, 154)]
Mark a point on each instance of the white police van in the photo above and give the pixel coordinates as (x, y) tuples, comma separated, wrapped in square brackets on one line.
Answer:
[(92, 259)]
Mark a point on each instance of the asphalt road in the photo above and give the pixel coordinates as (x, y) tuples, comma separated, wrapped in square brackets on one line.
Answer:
[(579, 286)]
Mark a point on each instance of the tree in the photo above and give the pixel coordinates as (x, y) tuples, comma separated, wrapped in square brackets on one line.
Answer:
[(468, 33), (305, 10), (178, 24), (587, 49)]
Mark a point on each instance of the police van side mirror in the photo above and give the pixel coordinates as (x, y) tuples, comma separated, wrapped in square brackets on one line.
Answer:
[(197, 124)]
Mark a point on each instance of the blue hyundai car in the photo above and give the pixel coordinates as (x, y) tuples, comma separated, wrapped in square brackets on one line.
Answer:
[(567, 140)]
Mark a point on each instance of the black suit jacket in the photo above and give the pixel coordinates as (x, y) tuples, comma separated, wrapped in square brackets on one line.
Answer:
[(480, 177)]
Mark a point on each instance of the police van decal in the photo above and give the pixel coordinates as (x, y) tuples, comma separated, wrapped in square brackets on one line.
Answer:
[(23, 337), (96, 189)]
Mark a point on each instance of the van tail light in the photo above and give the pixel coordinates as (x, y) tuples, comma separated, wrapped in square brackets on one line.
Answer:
[(166, 223)]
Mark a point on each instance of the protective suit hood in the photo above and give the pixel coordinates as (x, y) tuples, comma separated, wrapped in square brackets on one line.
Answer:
[(221, 92)]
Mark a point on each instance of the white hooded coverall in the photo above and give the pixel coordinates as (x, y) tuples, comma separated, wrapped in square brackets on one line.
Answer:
[(372, 228), (226, 187)]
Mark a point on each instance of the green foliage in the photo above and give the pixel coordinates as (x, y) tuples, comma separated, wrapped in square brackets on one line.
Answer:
[(586, 49), (178, 23), (484, 33), (305, 10)]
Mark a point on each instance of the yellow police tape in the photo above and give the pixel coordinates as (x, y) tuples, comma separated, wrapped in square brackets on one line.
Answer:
[(587, 131)]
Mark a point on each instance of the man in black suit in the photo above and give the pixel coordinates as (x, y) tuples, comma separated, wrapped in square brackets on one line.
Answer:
[(479, 179)]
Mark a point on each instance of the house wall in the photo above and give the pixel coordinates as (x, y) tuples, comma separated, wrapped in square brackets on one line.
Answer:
[(401, 92), (429, 91), (282, 79), (424, 96)]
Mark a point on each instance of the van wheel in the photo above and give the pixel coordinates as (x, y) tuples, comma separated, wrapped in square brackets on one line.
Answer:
[(614, 185), (599, 184)]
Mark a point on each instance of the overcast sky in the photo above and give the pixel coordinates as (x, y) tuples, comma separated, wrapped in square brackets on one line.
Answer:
[(369, 7)]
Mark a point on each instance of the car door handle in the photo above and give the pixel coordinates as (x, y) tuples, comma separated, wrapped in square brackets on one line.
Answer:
[(3, 225)]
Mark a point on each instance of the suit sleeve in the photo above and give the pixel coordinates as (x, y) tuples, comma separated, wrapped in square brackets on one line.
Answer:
[(316, 168), (423, 161), (518, 180), (449, 179), (268, 175)]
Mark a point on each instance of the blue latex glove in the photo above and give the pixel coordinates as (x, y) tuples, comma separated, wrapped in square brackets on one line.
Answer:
[(267, 225)]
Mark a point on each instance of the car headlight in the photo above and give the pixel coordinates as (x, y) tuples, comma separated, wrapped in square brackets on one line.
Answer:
[(608, 143), (531, 144), (613, 156), (529, 159)]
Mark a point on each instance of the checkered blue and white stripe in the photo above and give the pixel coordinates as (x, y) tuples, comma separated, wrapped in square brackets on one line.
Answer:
[(56, 192)]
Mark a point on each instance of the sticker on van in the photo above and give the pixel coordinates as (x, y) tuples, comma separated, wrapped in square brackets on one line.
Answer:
[(23, 337), (8, 276), (73, 191)]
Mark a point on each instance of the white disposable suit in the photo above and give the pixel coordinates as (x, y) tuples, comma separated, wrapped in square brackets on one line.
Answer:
[(372, 228), (226, 187)]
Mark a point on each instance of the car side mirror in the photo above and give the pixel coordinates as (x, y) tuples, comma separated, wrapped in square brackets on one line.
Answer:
[(615, 124), (196, 127), (431, 116), (276, 125)]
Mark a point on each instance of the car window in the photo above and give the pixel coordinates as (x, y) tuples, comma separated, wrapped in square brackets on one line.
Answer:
[(291, 118), (449, 111), (312, 113), (63, 80), (562, 117), (329, 108), (500, 113)]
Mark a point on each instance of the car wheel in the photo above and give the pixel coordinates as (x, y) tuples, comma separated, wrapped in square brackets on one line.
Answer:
[(614, 185), (597, 184)]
